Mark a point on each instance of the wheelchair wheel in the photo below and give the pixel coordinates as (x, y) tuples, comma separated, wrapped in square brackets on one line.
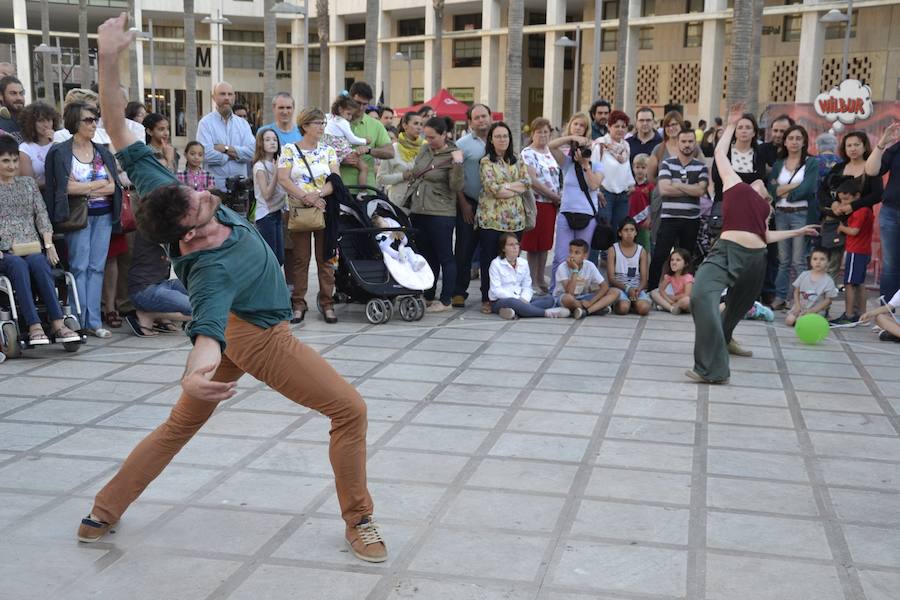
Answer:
[(10, 341), (72, 324)]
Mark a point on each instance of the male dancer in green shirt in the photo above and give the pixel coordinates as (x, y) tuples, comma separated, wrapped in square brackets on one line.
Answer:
[(241, 309)]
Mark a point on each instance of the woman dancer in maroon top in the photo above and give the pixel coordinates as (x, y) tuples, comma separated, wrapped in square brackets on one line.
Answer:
[(737, 262)]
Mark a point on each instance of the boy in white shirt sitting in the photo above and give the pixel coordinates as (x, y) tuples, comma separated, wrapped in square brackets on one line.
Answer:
[(579, 285)]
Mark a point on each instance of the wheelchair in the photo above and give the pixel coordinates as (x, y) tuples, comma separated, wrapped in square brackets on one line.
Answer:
[(13, 331)]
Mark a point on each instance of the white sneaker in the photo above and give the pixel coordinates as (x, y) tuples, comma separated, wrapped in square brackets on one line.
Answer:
[(675, 310), (560, 312), (100, 332), (507, 313)]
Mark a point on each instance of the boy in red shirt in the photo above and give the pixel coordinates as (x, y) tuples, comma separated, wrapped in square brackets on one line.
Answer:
[(858, 230), (639, 200)]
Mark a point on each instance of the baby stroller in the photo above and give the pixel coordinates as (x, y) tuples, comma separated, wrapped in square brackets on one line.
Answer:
[(362, 276), (12, 329)]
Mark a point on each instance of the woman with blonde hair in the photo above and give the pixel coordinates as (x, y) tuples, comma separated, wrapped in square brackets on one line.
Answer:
[(303, 168), (582, 177), (544, 173)]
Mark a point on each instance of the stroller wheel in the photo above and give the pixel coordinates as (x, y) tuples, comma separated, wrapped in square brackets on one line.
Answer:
[(420, 312), (377, 311), (408, 307)]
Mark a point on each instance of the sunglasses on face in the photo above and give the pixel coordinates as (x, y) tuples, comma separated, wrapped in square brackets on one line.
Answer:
[(89, 120)]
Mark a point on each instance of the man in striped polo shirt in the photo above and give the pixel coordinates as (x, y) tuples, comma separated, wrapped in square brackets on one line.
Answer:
[(682, 180)]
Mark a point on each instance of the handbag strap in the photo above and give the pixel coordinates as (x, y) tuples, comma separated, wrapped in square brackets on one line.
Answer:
[(312, 178), (582, 183)]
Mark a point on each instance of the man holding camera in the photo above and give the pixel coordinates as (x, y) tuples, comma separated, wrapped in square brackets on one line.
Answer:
[(227, 140)]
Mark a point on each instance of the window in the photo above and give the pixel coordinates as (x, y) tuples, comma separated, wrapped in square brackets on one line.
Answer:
[(790, 31), (466, 53), (356, 58), (836, 31), (648, 8), (466, 22), (416, 50), (243, 57), (463, 94), (536, 18), (694, 6), (418, 95), (410, 27), (168, 53), (645, 38), (536, 51), (356, 31), (180, 110), (315, 60), (610, 9), (609, 39), (693, 35)]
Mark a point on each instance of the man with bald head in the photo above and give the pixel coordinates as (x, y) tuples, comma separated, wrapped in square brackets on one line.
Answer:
[(227, 139)]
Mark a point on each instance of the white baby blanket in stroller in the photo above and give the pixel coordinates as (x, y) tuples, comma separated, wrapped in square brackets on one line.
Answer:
[(409, 269)]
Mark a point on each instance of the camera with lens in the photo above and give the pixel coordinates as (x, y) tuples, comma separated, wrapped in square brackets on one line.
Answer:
[(238, 194), (584, 151)]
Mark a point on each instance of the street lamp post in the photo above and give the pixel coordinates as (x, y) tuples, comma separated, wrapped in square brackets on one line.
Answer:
[(407, 56), (595, 67), (299, 11), (221, 22), (149, 35), (46, 52), (836, 16), (565, 42)]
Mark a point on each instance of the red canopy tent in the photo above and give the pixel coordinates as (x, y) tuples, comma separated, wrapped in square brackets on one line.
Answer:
[(445, 105)]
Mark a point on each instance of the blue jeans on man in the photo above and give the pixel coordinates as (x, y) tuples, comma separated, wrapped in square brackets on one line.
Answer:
[(169, 296), (889, 229)]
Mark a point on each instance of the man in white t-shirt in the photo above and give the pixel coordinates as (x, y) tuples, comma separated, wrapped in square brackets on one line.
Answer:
[(885, 317)]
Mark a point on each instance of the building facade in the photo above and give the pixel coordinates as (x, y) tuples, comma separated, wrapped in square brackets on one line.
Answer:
[(677, 51)]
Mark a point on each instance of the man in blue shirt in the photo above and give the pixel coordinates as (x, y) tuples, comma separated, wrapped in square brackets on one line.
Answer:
[(645, 137), (472, 144), (228, 142), (283, 125), (240, 305)]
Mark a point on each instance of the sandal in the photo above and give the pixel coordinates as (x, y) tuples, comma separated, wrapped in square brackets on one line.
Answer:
[(138, 329), (485, 308), (38, 338), (113, 319), (64, 335), (166, 327)]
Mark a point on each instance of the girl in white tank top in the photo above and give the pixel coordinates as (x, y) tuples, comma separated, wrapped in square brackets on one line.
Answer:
[(628, 271)]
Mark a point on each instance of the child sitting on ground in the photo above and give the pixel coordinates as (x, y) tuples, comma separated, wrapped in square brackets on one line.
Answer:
[(339, 136), (674, 291), (858, 246), (193, 175), (639, 200), (813, 289), (510, 292), (626, 268), (889, 324), (579, 285)]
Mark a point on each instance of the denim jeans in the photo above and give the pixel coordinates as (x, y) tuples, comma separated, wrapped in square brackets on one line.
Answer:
[(435, 241), (22, 270), (168, 296), (466, 240), (889, 228), (616, 208), (791, 252), (271, 230), (520, 307), (87, 260)]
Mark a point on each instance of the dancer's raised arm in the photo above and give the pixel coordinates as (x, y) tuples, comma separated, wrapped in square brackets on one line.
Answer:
[(113, 38), (726, 171)]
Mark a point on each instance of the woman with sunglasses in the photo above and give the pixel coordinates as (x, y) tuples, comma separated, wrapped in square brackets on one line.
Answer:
[(81, 167)]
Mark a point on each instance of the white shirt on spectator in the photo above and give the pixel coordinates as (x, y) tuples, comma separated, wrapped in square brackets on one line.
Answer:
[(508, 281), (588, 279)]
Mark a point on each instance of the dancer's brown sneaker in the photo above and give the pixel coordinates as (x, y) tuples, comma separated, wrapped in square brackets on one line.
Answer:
[(365, 541), (92, 530), (738, 350), (698, 378)]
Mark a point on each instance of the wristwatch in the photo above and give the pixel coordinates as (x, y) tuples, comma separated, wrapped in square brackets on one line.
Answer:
[(226, 148)]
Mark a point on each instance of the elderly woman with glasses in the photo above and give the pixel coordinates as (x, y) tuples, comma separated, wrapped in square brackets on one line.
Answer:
[(303, 168), (81, 167)]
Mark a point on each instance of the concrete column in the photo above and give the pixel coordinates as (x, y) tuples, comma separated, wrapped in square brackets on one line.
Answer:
[(554, 64), (139, 51), (23, 53), (337, 55), (299, 64), (428, 63), (382, 83), (712, 63), (490, 54), (809, 63), (631, 62)]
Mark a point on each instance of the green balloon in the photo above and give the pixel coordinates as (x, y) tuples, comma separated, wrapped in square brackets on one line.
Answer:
[(811, 329)]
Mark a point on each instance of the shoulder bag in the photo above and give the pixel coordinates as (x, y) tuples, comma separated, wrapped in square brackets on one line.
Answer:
[(301, 217), (603, 237)]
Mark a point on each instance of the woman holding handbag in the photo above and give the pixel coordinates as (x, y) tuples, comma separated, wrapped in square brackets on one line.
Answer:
[(84, 201), (25, 231), (435, 180), (303, 168)]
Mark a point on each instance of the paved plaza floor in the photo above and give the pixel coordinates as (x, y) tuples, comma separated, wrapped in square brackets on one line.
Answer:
[(535, 459)]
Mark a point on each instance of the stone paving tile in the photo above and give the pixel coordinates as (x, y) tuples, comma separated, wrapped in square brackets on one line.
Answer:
[(506, 460)]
